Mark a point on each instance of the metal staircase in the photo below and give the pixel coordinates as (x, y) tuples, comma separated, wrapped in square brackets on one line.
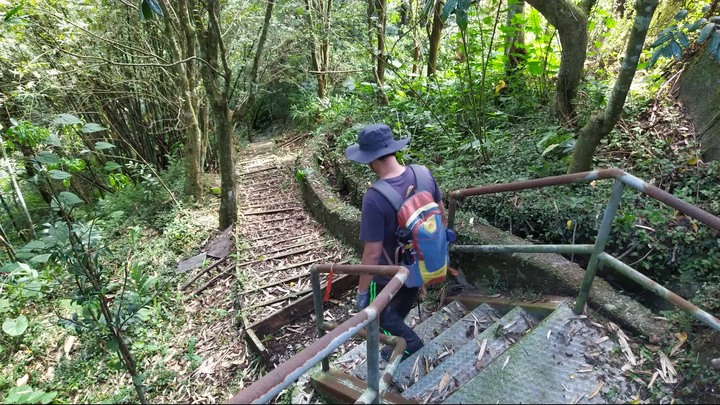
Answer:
[(498, 354)]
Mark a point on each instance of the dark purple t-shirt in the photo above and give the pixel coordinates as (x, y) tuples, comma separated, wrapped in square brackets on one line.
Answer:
[(378, 219)]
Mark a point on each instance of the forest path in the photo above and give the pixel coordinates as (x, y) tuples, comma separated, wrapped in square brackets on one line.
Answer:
[(279, 243)]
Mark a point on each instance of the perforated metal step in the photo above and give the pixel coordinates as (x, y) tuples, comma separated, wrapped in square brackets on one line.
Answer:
[(354, 360), (444, 345), (463, 365), (552, 365)]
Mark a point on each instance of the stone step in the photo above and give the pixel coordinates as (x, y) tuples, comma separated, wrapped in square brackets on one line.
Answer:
[(463, 364), (565, 359), (445, 344), (354, 360)]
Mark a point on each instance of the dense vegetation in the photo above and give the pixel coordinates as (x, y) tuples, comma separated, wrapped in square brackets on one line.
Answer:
[(119, 122)]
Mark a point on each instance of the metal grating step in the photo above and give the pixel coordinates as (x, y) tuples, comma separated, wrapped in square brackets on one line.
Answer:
[(552, 365), (354, 360), (444, 345), (463, 365)]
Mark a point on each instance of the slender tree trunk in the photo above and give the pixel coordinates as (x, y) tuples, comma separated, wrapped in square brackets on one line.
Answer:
[(571, 22), (14, 223), (314, 12), (413, 23), (435, 36), (601, 123), (215, 69), (515, 42), (184, 31), (16, 189), (256, 64), (8, 246), (380, 9)]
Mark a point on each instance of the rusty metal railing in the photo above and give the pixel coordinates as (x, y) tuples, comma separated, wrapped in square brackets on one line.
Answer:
[(596, 251), (270, 385)]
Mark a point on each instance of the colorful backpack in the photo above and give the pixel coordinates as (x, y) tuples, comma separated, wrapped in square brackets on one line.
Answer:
[(422, 235)]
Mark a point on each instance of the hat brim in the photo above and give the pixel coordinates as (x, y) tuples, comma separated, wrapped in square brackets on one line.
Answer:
[(354, 153)]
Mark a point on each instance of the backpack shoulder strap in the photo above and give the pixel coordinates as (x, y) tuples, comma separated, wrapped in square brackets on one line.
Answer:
[(390, 194), (423, 182)]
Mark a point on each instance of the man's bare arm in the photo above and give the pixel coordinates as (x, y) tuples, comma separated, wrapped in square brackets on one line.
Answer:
[(372, 251)]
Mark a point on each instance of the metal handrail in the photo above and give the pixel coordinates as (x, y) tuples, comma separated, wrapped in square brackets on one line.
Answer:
[(270, 385), (596, 251)]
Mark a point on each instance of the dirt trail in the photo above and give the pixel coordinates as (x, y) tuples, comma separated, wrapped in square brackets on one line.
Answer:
[(280, 241)]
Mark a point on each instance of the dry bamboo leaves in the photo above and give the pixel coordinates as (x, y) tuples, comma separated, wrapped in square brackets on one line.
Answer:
[(478, 363)]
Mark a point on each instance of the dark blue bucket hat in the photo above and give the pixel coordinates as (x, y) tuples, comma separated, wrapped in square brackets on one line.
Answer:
[(374, 141)]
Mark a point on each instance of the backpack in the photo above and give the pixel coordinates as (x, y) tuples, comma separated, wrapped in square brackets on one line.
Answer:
[(422, 235)]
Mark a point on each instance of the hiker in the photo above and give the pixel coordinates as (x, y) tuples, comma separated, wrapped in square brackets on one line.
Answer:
[(376, 148)]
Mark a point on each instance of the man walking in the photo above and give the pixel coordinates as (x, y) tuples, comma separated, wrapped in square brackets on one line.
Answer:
[(376, 148)]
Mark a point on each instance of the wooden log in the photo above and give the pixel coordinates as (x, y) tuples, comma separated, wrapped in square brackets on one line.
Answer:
[(301, 307)]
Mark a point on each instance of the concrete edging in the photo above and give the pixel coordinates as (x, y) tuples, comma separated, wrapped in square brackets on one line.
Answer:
[(548, 273)]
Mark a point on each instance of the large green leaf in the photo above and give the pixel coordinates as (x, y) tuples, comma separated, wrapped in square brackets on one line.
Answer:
[(47, 158), (68, 199), (461, 14), (67, 119), (705, 33), (714, 45), (25, 394), (145, 11), (103, 145), (155, 7), (43, 258), (12, 12), (110, 166), (35, 244), (15, 327), (91, 127), (448, 9), (4, 305), (681, 14), (59, 175)]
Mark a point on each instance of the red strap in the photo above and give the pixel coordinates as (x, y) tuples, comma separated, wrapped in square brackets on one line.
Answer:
[(329, 284)]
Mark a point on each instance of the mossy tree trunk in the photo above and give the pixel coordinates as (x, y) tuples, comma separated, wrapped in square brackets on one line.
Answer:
[(601, 123), (180, 40), (255, 66), (216, 75), (435, 36), (571, 22)]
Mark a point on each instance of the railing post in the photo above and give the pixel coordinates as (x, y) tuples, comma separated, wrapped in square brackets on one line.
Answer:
[(452, 207), (317, 300), (373, 357), (600, 242)]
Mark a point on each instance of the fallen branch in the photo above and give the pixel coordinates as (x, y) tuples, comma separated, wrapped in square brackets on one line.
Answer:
[(272, 211), (201, 272), (220, 275)]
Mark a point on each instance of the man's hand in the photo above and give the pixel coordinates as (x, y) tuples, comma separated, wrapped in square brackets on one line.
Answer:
[(363, 300)]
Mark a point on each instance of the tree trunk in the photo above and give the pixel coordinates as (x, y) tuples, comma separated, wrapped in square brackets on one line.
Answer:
[(514, 43), (571, 22), (213, 52), (180, 48), (256, 64), (380, 12), (413, 22), (435, 36), (601, 123), (319, 50), (16, 189)]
